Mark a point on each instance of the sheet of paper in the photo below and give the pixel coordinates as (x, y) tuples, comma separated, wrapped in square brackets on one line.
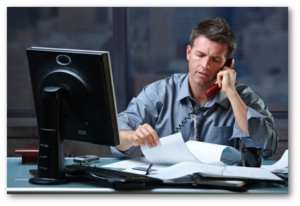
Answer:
[(281, 166), (171, 150), (179, 172), (127, 165), (201, 149), (165, 171), (249, 172), (185, 168)]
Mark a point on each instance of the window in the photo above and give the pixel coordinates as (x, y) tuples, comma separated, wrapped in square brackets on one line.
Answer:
[(153, 46), (157, 40)]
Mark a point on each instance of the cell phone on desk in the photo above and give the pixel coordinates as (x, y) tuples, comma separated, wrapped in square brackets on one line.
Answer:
[(214, 89), (86, 158)]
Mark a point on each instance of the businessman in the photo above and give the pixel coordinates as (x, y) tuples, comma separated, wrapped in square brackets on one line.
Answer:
[(235, 116)]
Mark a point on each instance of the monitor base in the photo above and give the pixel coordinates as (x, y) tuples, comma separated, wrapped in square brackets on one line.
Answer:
[(47, 181)]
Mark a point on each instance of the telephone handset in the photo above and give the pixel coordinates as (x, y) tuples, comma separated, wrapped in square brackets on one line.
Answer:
[(214, 89)]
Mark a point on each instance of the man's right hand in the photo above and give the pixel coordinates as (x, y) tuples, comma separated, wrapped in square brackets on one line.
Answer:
[(143, 135)]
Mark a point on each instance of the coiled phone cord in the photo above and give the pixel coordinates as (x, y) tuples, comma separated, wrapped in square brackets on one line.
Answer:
[(185, 120)]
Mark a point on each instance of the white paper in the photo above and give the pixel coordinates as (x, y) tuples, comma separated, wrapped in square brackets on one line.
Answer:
[(281, 166), (172, 150), (128, 165), (186, 168), (165, 171), (249, 172), (173, 158), (202, 149)]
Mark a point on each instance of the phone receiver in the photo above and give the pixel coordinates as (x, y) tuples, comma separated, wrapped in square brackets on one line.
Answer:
[(214, 89)]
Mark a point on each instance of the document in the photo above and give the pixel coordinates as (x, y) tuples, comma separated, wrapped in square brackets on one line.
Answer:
[(215, 172), (281, 166), (172, 150), (175, 174), (185, 172), (194, 162)]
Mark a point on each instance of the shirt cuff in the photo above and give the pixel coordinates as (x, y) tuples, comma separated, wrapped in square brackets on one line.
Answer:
[(118, 154), (253, 113), (237, 132), (123, 126)]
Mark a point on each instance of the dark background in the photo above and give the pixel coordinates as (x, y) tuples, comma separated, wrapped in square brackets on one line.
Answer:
[(146, 44)]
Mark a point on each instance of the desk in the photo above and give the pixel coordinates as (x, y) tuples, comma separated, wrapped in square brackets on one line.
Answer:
[(18, 175)]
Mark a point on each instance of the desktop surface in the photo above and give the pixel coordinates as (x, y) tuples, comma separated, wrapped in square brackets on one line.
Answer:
[(18, 183)]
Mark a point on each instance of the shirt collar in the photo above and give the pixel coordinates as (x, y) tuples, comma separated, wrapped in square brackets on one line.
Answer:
[(184, 92), (184, 89)]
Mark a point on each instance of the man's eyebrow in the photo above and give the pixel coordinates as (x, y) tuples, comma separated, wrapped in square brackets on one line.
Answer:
[(216, 56), (200, 52)]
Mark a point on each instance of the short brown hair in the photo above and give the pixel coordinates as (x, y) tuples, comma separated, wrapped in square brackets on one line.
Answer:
[(215, 29)]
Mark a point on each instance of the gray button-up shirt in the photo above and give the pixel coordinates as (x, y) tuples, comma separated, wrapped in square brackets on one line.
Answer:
[(166, 104)]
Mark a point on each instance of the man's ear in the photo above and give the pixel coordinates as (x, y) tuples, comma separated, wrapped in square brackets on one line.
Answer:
[(188, 52)]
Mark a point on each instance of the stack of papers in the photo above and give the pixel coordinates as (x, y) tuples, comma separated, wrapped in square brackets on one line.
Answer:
[(177, 161)]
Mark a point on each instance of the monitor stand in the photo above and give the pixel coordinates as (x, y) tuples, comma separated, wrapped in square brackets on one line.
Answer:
[(51, 165), (47, 181)]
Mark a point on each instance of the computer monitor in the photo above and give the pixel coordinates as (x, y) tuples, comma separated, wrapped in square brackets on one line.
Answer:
[(74, 99)]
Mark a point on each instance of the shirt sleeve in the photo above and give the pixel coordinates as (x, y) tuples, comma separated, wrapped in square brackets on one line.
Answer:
[(139, 111), (237, 132), (118, 154), (262, 132)]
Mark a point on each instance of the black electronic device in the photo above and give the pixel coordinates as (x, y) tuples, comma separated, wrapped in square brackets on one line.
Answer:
[(74, 99), (86, 159), (110, 175)]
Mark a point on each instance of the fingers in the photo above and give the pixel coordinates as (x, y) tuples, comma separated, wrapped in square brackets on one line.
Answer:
[(145, 135), (226, 79)]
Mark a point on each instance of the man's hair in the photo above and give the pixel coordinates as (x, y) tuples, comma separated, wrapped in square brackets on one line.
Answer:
[(215, 29)]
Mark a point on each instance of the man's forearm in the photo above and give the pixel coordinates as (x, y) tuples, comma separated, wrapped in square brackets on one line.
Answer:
[(125, 141), (239, 110)]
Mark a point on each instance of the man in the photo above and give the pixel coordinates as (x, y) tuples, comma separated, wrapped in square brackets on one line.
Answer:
[(177, 103)]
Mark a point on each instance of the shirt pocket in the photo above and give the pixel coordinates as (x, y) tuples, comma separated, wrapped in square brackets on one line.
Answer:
[(221, 135)]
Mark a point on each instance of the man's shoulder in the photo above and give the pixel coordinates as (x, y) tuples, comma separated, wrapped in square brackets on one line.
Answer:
[(241, 86), (244, 89), (175, 79)]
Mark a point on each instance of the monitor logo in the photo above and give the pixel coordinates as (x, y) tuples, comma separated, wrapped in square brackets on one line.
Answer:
[(63, 60)]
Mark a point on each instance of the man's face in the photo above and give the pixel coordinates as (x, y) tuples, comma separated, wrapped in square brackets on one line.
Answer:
[(206, 59)]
